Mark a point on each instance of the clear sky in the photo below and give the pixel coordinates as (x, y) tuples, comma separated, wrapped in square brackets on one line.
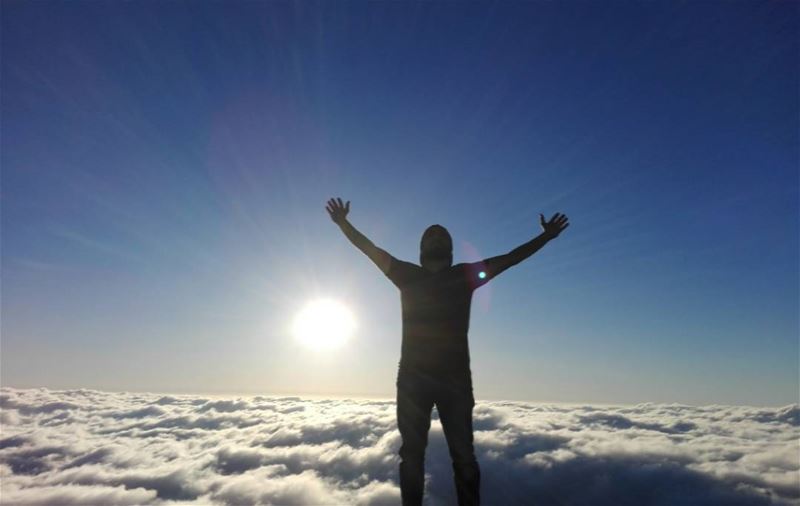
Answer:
[(165, 167)]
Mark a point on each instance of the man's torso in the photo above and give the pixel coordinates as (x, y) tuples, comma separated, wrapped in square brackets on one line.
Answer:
[(435, 310)]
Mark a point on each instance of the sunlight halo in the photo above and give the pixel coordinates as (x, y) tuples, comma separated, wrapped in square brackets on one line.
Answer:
[(323, 324)]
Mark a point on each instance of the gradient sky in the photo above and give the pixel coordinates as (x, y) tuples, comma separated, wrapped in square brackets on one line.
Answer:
[(165, 167)]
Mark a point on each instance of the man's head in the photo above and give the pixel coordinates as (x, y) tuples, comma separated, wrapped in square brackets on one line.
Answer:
[(436, 248)]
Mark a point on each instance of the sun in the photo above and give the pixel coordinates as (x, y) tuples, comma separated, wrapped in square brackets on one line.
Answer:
[(323, 324)]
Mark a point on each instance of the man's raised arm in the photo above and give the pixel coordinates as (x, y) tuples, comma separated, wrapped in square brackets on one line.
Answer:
[(491, 267), (338, 213)]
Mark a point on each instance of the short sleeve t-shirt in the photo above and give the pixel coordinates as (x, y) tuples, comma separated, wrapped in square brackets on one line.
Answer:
[(436, 309)]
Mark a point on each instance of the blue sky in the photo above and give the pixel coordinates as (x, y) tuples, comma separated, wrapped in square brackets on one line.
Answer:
[(165, 167)]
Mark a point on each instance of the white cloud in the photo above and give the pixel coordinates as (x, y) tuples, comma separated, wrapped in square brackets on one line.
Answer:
[(90, 447), (76, 494)]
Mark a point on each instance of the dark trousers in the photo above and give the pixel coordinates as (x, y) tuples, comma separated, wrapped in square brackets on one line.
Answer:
[(417, 392)]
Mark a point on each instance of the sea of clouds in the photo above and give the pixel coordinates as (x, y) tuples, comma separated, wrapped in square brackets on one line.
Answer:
[(92, 447)]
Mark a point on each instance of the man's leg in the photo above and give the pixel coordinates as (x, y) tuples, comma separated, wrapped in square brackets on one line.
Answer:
[(455, 411), (414, 405)]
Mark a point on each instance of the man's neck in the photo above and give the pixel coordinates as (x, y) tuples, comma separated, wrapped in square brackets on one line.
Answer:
[(435, 265)]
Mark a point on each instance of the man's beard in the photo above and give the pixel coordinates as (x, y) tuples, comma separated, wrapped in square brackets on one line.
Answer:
[(437, 255)]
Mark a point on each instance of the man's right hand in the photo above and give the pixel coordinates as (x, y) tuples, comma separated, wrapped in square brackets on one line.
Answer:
[(338, 213), (337, 210)]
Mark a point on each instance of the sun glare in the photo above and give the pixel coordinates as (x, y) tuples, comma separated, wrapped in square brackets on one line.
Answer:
[(323, 324)]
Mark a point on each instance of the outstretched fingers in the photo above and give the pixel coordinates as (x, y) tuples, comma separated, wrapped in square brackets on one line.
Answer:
[(557, 222), (562, 222), (337, 209)]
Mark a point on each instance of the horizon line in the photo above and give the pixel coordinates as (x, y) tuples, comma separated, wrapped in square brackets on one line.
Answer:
[(369, 397)]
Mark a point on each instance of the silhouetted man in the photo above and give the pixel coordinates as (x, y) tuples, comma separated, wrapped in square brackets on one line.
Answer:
[(434, 361)]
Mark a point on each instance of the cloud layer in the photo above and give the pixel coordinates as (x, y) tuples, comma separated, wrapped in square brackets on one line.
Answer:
[(91, 447)]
